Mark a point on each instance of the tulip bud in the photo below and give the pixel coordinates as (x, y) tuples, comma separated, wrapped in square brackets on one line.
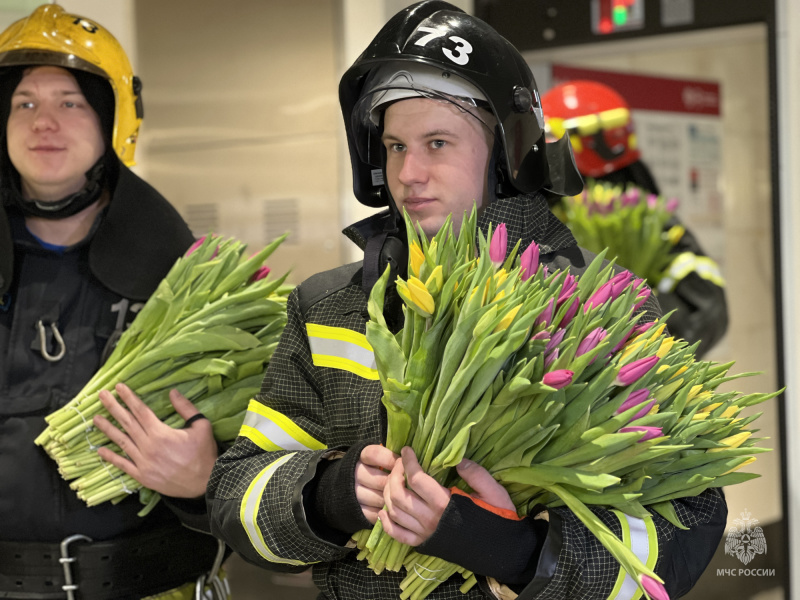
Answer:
[(600, 297), (558, 379), (649, 432), (529, 261), (550, 357), (591, 340), (435, 281), (567, 289), (497, 248), (636, 370), (571, 312), (558, 336), (635, 398), (260, 274), (416, 257), (506, 321), (195, 246), (654, 589), (546, 316)]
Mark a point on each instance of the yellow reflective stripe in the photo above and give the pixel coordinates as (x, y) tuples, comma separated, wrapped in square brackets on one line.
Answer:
[(338, 333), (270, 430), (639, 535), (688, 262), (345, 364), (343, 349), (248, 512)]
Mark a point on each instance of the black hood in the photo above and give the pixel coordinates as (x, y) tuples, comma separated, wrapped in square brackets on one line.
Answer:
[(138, 240)]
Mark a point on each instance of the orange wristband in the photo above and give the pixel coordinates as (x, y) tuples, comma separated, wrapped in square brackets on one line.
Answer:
[(506, 513)]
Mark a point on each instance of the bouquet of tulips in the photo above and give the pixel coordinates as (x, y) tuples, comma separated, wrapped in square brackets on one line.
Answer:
[(208, 331), (631, 223), (549, 381)]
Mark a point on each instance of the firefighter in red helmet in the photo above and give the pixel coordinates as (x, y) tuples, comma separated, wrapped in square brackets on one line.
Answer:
[(598, 121)]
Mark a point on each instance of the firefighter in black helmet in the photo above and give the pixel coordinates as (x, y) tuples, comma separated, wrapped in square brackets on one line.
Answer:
[(441, 112)]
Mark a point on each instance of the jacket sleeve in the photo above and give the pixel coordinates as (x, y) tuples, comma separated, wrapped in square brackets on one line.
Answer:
[(255, 494), (693, 287), (574, 565)]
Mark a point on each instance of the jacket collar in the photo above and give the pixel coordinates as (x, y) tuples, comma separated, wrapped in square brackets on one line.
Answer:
[(133, 247)]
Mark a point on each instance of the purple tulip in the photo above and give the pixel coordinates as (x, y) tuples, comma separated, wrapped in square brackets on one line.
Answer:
[(672, 205), (558, 379), (550, 357), (653, 588), (600, 297), (642, 296), (497, 248), (649, 432), (635, 398), (260, 274), (558, 336), (636, 401), (591, 340), (631, 197), (635, 370), (640, 329), (567, 289), (619, 282), (529, 261), (542, 335), (545, 317), (571, 312)]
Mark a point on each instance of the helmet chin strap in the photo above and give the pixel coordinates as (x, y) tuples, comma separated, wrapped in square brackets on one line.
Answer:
[(61, 209)]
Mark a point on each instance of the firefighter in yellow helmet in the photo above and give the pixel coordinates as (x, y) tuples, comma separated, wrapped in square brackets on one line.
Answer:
[(83, 243)]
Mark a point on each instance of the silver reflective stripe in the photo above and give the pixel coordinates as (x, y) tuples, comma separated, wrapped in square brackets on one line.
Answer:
[(272, 431), (249, 512), (343, 349), (636, 534)]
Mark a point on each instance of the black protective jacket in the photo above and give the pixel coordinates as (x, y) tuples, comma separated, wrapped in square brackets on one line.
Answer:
[(281, 504), (88, 293)]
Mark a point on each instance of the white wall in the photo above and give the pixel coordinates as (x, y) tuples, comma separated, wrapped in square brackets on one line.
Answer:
[(788, 41)]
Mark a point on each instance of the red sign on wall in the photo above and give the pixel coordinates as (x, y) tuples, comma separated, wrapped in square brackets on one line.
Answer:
[(652, 93)]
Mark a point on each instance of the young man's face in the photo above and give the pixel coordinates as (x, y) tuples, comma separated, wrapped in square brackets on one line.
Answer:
[(437, 160), (54, 135)]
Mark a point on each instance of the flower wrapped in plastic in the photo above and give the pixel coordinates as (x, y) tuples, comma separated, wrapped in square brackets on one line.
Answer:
[(548, 381)]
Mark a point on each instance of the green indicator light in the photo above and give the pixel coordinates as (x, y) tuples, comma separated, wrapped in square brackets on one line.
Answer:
[(620, 15)]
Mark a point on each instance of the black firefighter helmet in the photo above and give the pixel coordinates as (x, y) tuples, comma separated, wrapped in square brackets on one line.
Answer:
[(437, 37)]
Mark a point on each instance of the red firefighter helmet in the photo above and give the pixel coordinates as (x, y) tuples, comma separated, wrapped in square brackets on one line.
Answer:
[(599, 124)]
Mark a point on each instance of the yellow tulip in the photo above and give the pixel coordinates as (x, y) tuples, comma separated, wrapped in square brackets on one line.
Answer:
[(417, 257), (506, 321), (421, 296), (435, 281), (749, 461), (665, 347), (733, 441)]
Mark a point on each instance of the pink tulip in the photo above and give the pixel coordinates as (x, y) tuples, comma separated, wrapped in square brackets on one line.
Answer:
[(545, 317), (542, 335), (591, 340), (649, 432), (652, 201), (600, 297), (195, 246), (654, 589), (260, 274), (567, 289), (642, 296), (619, 282), (640, 329), (558, 336), (558, 379), (529, 261), (497, 248), (635, 398), (631, 402), (571, 312), (636, 370), (672, 205)]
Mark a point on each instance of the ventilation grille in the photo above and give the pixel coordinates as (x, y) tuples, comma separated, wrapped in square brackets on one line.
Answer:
[(202, 218), (281, 216)]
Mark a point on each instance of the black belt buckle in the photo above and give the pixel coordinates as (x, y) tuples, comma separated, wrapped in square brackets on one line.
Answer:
[(66, 562)]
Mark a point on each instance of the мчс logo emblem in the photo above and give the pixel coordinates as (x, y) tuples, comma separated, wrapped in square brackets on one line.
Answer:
[(745, 540)]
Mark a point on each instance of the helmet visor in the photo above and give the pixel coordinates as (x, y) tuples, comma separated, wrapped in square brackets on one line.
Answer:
[(401, 81)]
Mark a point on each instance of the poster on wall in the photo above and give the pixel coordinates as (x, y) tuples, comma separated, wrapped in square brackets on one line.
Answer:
[(679, 132)]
